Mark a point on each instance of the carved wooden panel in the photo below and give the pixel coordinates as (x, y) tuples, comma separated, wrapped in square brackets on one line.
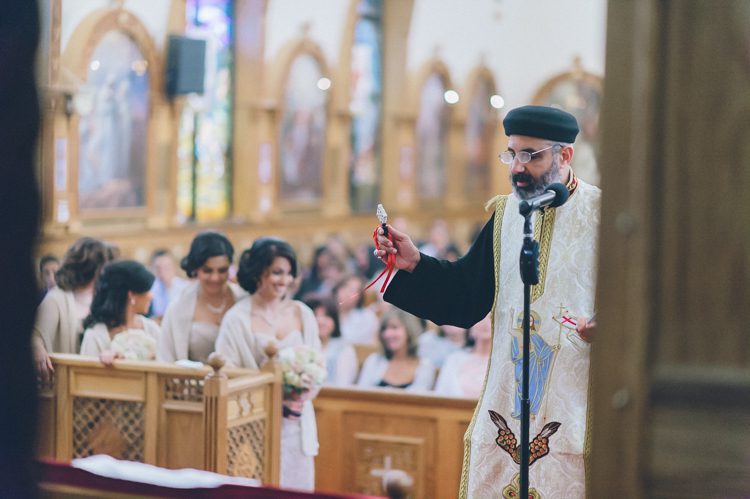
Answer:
[(246, 404), (397, 436), (111, 427), (246, 449), (380, 456), (183, 388)]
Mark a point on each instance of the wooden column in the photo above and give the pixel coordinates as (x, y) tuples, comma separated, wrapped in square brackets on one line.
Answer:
[(671, 362), (273, 433), (215, 416)]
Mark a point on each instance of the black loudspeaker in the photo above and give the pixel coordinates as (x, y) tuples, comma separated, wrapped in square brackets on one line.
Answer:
[(186, 65)]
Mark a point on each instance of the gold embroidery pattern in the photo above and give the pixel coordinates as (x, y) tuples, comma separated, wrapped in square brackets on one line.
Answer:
[(543, 228), (500, 202)]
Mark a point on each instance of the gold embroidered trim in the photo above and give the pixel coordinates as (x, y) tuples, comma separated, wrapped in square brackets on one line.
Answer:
[(587, 434), (543, 228), (500, 202)]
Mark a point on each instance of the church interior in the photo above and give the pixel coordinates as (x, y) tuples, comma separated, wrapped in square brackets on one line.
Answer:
[(142, 133)]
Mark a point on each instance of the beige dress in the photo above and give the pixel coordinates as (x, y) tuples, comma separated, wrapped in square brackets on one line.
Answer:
[(176, 341)]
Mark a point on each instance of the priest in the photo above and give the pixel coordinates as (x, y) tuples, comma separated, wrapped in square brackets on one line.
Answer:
[(487, 278)]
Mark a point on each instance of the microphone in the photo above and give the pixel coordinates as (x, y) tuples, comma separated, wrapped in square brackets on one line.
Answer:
[(555, 195)]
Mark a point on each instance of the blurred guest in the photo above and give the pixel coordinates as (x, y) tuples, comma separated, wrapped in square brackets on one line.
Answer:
[(59, 320), (463, 373), (48, 267), (437, 346), (191, 322), (398, 366), (167, 285), (439, 242), (117, 327), (341, 359), (325, 271), (367, 264), (341, 252), (270, 316), (359, 325)]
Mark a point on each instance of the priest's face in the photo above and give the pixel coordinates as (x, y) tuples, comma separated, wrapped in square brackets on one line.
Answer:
[(532, 178)]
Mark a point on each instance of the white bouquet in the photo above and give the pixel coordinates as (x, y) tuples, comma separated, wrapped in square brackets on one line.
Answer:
[(303, 369), (134, 344)]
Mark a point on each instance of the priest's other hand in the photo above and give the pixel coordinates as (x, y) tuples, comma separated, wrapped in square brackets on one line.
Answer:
[(586, 329), (407, 254)]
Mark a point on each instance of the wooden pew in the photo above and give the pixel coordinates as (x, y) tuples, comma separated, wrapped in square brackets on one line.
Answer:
[(365, 433), (222, 420)]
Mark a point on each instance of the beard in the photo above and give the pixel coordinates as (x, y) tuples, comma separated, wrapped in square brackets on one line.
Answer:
[(533, 186)]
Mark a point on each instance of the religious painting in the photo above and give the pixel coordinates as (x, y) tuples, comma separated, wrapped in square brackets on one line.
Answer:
[(580, 94), (114, 127), (205, 133), (302, 137), (366, 107), (432, 140), (481, 125)]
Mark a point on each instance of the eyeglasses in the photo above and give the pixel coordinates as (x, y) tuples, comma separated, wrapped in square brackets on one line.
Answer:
[(524, 157)]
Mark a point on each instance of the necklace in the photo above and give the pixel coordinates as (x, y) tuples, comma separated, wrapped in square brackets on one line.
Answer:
[(218, 310), (271, 322), (267, 320)]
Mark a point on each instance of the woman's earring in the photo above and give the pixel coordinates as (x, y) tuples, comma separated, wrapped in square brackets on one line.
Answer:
[(132, 301)]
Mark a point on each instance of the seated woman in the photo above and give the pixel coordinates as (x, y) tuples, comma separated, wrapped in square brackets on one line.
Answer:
[(341, 359), (116, 328), (437, 346), (191, 322), (267, 271), (463, 373), (398, 366), (59, 318)]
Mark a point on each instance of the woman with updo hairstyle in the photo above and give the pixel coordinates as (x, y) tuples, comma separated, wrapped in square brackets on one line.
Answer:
[(398, 366), (191, 322), (117, 327), (269, 315), (59, 318)]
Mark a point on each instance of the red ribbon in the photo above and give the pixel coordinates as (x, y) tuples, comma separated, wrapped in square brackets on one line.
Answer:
[(390, 263), (390, 266)]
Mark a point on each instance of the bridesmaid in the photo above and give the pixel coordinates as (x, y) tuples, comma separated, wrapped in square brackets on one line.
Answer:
[(191, 322)]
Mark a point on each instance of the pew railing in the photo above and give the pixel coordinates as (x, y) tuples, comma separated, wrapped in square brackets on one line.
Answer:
[(222, 420)]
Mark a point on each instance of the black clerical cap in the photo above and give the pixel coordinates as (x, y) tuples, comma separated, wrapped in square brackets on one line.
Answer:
[(542, 122)]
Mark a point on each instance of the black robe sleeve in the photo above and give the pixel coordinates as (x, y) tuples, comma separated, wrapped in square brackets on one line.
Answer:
[(457, 293)]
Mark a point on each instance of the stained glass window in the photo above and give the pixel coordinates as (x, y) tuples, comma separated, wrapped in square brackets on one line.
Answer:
[(302, 139), (580, 95), (205, 135), (113, 126), (480, 127), (432, 140), (366, 106)]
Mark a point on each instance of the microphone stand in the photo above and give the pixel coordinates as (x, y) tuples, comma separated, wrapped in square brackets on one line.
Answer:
[(529, 263)]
